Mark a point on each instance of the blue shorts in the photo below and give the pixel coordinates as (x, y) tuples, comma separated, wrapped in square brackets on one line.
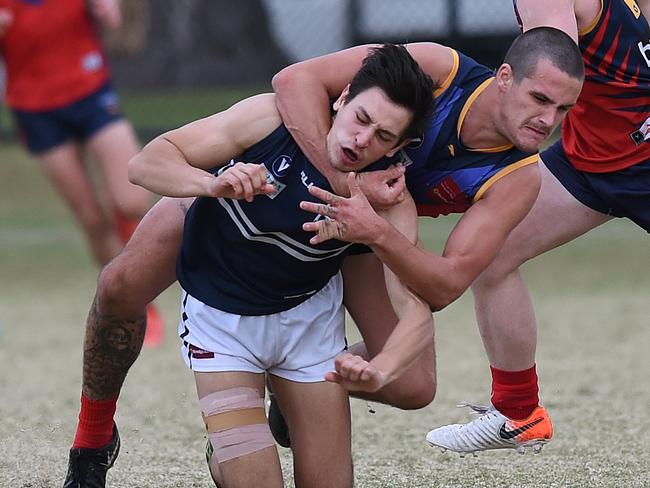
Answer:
[(42, 131), (623, 193)]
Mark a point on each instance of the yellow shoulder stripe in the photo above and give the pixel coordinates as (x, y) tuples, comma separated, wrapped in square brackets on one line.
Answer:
[(634, 8), (591, 26), (504, 172), (452, 74)]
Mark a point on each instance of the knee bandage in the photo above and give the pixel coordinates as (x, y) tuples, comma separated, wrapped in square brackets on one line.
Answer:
[(236, 422)]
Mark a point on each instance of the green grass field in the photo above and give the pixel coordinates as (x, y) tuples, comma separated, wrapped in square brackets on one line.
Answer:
[(593, 361)]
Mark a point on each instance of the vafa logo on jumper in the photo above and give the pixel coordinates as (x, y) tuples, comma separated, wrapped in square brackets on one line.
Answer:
[(281, 165)]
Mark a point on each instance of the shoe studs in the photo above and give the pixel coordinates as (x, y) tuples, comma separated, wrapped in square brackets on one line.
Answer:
[(464, 454), (536, 448)]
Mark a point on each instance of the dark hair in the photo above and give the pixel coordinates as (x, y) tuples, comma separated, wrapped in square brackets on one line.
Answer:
[(544, 42), (391, 68)]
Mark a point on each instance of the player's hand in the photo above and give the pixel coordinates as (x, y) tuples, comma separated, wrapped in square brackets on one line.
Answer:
[(383, 188), (356, 374), (242, 181), (107, 12), (348, 219), (6, 19)]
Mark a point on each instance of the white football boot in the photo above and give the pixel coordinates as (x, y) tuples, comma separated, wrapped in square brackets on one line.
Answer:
[(493, 430)]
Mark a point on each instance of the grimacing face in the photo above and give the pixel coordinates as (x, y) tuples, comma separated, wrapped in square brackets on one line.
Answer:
[(533, 107), (365, 129)]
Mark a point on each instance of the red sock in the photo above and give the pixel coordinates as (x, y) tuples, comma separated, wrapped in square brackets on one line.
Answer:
[(95, 427), (125, 227), (515, 393)]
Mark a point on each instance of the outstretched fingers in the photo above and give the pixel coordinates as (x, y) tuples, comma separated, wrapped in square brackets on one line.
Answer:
[(325, 230), (327, 209), (324, 195)]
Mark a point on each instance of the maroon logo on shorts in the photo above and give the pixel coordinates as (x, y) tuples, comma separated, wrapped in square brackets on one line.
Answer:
[(198, 353)]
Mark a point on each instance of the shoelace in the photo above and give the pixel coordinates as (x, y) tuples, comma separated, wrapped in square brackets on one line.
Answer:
[(477, 409), (483, 411)]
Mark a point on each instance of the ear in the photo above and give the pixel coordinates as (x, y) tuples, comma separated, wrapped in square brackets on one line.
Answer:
[(393, 151), (340, 101), (504, 77)]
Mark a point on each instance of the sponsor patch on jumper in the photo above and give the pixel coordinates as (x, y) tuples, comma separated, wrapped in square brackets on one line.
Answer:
[(281, 165), (444, 198), (278, 186), (446, 192), (642, 134)]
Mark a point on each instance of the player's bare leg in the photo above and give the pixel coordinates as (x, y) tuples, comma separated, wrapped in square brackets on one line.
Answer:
[(503, 306), (244, 453), (116, 322), (367, 301), (116, 325), (113, 146), (318, 416), (65, 169), (507, 323)]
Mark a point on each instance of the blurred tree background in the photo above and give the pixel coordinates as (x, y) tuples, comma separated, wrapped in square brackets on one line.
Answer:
[(193, 43)]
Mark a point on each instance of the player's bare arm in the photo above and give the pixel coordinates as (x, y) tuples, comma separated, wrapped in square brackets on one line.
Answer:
[(413, 333), (476, 239), (304, 91), (471, 246), (176, 163), (570, 16)]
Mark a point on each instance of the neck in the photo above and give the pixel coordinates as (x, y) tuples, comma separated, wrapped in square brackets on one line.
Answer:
[(479, 129)]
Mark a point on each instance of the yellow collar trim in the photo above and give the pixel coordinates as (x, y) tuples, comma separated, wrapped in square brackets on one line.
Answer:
[(463, 113)]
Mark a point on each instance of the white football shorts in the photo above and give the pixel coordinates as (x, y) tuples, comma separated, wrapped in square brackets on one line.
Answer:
[(299, 344)]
